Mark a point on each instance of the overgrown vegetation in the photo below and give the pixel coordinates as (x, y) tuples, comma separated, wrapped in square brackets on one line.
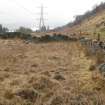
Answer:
[(45, 74)]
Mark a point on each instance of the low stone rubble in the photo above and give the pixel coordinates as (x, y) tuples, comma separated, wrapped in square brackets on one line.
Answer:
[(29, 38)]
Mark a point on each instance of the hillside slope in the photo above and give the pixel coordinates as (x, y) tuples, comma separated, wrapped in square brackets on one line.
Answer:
[(91, 26)]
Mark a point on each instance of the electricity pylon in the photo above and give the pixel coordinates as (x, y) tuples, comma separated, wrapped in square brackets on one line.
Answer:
[(42, 27)]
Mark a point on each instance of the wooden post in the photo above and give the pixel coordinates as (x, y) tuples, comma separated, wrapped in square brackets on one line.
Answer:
[(98, 37), (80, 32)]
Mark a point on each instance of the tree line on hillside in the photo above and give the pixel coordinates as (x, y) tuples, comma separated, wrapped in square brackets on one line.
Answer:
[(88, 14)]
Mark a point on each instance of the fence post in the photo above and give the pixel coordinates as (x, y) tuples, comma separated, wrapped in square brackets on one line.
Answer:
[(98, 37)]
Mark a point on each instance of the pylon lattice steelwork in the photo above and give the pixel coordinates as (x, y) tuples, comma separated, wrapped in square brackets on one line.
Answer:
[(42, 26)]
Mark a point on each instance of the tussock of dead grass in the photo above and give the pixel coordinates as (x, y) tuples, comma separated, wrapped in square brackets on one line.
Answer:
[(45, 84), (8, 94), (59, 77), (27, 94)]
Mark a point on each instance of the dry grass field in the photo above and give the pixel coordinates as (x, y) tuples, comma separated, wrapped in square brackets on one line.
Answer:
[(54, 73)]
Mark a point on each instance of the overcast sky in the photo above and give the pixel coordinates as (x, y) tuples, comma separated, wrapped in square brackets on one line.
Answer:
[(15, 13)]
